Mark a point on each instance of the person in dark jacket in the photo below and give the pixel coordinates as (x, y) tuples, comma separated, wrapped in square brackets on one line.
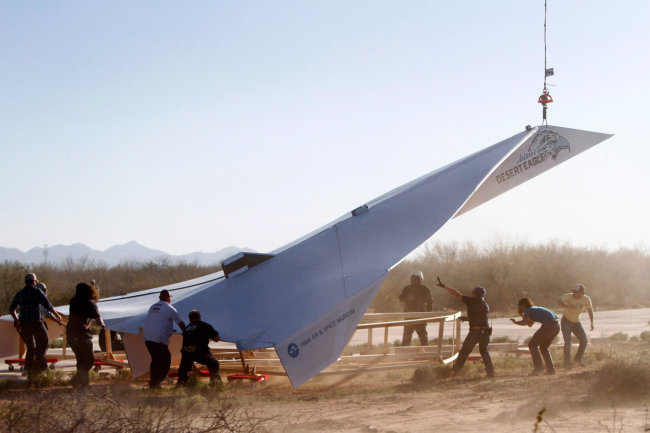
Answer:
[(29, 323), (479, 328), (83, 309), (196, 337), (416, 297)]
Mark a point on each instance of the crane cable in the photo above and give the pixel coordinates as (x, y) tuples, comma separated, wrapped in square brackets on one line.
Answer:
[(545, 98)]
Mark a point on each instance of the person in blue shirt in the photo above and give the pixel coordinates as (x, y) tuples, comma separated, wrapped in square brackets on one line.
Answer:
[(542, 339)]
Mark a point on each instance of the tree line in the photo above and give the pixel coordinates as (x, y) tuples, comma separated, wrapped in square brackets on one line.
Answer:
[(130, 276), (614, 279), (510, 270)]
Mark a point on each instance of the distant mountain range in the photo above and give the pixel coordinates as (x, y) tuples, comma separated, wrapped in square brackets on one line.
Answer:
[(129, 252)]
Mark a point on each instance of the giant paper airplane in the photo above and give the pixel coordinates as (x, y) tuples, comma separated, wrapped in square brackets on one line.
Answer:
[(307, 298)]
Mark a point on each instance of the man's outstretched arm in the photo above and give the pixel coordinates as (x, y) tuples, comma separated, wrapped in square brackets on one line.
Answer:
[(450, 290)]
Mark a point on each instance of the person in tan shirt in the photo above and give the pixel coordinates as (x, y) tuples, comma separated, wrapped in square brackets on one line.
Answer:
[(574, 303)]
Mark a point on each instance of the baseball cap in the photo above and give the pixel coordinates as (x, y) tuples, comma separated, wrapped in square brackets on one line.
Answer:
[(31, 277), (417, 274), (479, 291), (578, 288)]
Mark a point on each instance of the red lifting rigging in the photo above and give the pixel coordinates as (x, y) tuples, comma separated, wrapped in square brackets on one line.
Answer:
[(545, 97)]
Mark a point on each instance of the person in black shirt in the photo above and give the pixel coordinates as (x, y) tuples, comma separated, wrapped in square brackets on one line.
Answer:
[(479, 328), (416, 297), (83, 309), (29, 323), (196, 337)]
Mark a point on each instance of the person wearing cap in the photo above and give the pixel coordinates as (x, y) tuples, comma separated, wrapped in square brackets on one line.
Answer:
[(29, 323), (542, 339), (46, 314), (574, 303), (158, 327), (416, 297), (479, 328)]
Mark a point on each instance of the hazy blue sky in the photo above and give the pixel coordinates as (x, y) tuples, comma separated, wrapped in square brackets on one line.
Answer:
[(192, 126)]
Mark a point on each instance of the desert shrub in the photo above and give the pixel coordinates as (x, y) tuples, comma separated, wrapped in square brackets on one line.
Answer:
[(57, 343), (556, 340), (431, 373), (126, 277), (123, 373), (618, 336), (645, 336), (433, 342), (624, 378), (125, 413), (512, 364), (504, 339), (510, 271), (49, 377), (596, 353)]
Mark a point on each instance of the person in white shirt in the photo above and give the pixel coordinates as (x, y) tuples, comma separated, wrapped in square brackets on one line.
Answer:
[(574, 303), (158, 327)]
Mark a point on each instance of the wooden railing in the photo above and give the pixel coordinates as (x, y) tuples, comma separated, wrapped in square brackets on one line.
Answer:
[(388, 320)]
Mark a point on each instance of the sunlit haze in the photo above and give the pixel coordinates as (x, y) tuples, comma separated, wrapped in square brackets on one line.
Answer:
[(196, 126)]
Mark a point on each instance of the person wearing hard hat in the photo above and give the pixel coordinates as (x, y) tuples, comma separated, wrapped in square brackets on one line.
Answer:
[(416, 297)]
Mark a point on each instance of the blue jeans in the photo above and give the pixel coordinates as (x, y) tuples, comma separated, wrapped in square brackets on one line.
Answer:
[(569, 327), (540, 342)]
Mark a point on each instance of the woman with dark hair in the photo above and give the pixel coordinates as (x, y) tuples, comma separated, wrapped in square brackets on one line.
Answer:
[(83, 309), (542, 339)]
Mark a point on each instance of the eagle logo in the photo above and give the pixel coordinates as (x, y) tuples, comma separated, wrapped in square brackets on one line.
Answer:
[(548, 143)]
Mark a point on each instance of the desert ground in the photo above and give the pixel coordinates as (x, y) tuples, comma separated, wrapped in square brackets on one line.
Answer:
[(508, 403), (610, 394)]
